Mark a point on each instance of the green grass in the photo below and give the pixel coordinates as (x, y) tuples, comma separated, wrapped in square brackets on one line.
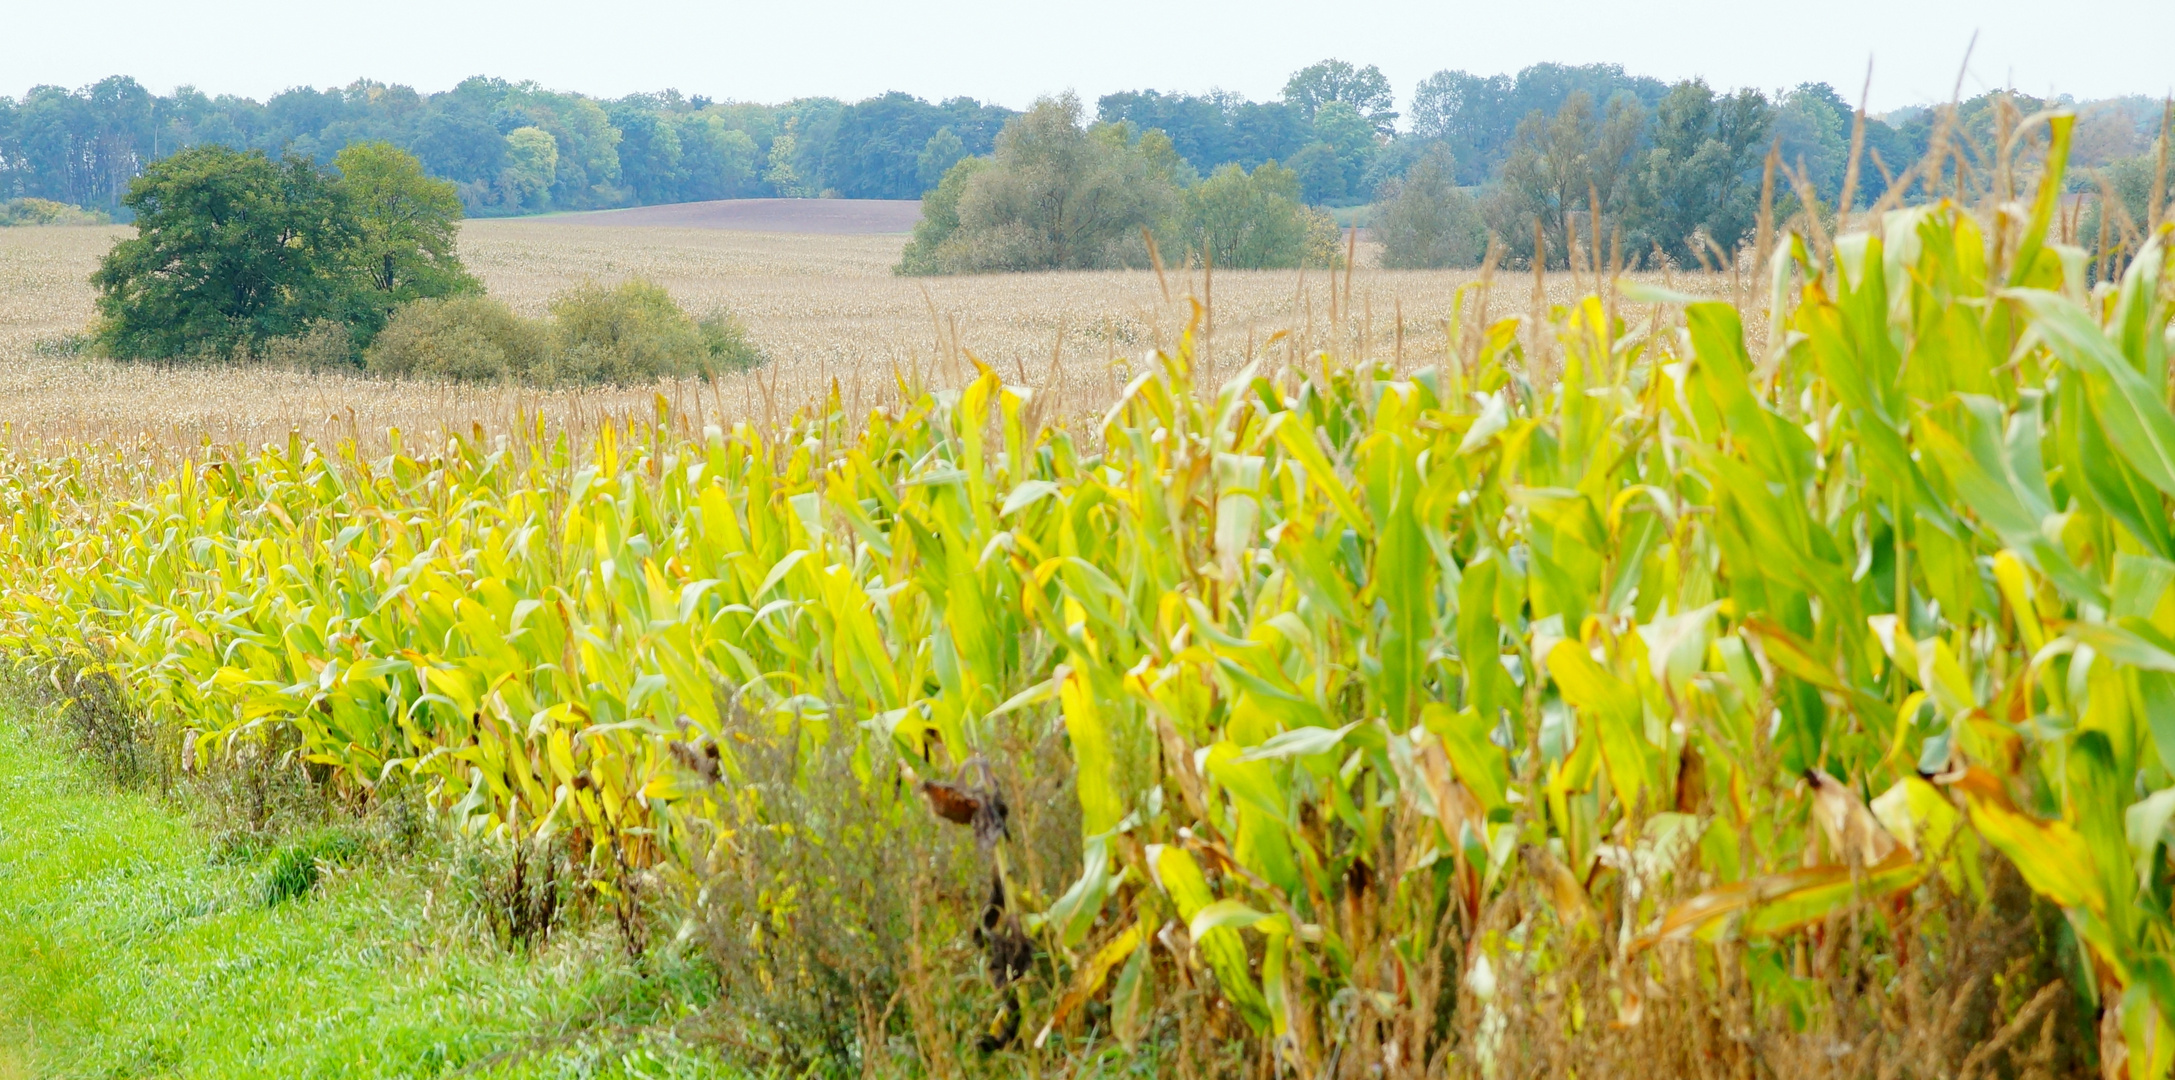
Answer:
[(130, 948)]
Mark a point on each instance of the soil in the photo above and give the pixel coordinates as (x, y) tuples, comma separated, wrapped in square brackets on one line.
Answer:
[(828, 216)]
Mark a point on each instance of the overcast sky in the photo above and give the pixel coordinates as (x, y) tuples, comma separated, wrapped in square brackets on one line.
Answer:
[(1010, 52)]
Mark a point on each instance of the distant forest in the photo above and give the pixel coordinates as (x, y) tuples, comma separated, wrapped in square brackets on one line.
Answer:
[(516, 148)]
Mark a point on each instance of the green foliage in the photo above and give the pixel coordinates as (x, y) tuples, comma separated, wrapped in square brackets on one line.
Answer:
[(487, 136), (2119, 213), (1557, 168), (1252, 221), (1322, 176), (1213, 130), (717, 161), (1054, 196), (532, 163), (939, 218), (1811, 129), (781, 172), (1332, 167), (409, 222), (1365, 91), (323, 345), (459, 339), (238, 256), (938, 155), (231, 248), (1477, 117), (1698, 182), (636, 333), (896, 146), (628, 334), (1424, 222), (1598, 662), (48, 212)]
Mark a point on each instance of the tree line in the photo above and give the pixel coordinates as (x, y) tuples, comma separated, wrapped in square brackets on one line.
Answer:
[(507, 147), (1670, 167)]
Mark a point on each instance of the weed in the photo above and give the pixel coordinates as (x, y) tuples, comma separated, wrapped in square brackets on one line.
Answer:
[(519, 889), (296, 867)]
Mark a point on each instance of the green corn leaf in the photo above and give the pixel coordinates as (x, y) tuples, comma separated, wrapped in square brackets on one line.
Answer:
[(2137, 419)]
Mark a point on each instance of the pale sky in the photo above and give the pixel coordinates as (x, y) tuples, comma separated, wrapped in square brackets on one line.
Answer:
[(1011, 52)]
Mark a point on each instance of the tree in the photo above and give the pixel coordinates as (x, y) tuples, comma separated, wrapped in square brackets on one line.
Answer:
[(1197, 125), (585, 150), (1560, 170), (1263, 131), (1424, 222), (1698, 182), (1365, 89), (232, 249), (1054, 196), (1351, 143), (2124, 220), (649, 151), (873, 150), (408, 223), (1478, 117), (1252, 221), (1320, 173), (716, 160), (780, 171), (938, 155), (1812, 131), (462, 148), (532, 165), (939, 218)]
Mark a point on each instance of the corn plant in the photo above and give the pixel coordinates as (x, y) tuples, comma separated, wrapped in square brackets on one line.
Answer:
[(1613, 644)]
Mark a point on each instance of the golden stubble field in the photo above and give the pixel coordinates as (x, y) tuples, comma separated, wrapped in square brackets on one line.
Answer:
[(825, 308)]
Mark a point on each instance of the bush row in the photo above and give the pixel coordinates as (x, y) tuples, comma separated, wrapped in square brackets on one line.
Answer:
[(627, 334)]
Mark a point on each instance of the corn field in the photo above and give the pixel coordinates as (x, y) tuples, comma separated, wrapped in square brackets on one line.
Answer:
[(1607, 695)]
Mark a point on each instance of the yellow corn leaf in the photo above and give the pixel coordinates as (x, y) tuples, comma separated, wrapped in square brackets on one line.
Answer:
[(1183, 882), (2051, 855), (1617, 715), (1092, 974), (1085, 723), (1779, 903), (2015, 581)]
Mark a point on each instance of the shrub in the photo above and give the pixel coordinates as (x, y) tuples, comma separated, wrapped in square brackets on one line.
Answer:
[(459, 339), (726, 338), (48, 212), (631, 333), (635, 333), (324, 345), (519, 888)]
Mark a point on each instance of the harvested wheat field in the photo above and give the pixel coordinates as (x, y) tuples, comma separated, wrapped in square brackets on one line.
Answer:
[(824, 308)]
